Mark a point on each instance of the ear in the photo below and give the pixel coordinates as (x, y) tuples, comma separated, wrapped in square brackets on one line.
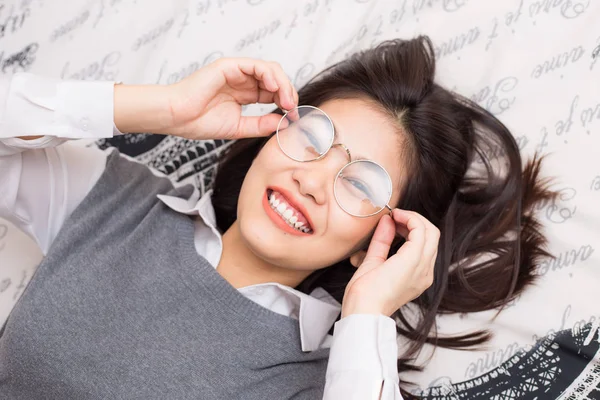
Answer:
[(357, 258)]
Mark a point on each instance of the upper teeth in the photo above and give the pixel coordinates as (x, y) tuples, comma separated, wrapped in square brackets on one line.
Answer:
[(287, 214)]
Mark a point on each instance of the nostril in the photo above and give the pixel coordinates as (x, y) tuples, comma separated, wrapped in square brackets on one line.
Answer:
[(310, 184)]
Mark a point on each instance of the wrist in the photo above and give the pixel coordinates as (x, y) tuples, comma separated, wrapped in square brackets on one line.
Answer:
[(352, 307), (359, 311), (142, 108)]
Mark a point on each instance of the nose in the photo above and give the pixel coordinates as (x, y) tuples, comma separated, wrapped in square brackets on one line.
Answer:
[(315, 178)]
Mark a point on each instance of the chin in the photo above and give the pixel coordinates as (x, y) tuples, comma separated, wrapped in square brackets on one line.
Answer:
[(275, 247)]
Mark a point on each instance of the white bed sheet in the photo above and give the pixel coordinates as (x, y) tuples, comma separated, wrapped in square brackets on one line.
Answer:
[(530, 62)]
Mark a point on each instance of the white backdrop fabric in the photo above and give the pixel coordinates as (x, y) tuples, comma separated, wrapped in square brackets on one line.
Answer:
[(533, 63)]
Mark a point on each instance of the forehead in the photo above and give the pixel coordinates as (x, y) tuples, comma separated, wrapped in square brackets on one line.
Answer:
[(367, 132)]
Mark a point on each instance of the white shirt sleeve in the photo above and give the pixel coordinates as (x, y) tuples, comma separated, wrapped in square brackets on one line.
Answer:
[(363, 359), (41, 183)]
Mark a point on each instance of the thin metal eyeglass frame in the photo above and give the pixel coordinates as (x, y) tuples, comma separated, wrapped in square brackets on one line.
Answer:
[(331, 144)]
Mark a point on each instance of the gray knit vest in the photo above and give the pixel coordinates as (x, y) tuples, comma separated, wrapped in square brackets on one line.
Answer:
[(123, 307)]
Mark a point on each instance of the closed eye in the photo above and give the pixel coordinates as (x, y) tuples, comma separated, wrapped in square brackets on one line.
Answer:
[(359, 185), (312, 139)]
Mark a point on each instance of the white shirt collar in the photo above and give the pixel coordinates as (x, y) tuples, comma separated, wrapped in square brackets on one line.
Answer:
[(316, 312)]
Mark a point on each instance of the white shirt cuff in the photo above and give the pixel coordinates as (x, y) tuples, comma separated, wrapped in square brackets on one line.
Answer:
[(66, 109), (363, 357)]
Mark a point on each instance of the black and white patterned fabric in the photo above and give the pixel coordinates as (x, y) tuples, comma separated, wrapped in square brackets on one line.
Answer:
[(533, 63), (184, 161)]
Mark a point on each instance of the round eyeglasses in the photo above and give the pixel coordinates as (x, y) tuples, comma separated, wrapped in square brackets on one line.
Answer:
[(362, 188)]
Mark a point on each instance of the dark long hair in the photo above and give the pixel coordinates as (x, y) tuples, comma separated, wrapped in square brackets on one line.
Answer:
[(465, 175)]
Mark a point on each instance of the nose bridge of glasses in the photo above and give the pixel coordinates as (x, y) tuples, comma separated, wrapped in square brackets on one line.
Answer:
[(329, 165), (343, 148), (336, 158)]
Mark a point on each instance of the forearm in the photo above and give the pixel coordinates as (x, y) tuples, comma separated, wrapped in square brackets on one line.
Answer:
[(142, 108)]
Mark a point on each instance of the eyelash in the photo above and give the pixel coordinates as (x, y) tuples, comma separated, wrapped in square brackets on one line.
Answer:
[(311, 136)]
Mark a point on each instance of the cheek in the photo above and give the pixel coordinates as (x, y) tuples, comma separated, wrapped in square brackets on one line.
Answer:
[(353, 232), (266, 163), (267, 167), (270, 158)]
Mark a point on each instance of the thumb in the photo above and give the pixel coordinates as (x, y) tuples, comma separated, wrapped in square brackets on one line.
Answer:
[(380, 243), (257, 126)]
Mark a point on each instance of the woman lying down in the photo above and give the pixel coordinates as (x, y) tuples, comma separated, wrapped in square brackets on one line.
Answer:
[(354, 199)]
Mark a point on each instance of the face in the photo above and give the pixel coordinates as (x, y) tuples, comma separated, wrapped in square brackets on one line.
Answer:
[(329, 234)]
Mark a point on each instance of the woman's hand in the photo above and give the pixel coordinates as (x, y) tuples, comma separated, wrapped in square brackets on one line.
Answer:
[(208, 103), (382, 285)]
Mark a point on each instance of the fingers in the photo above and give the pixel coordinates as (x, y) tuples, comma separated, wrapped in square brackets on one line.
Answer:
[(293, 115), (288, 95), (257, 126), (402, 230), (415, 225), (380, 243), (296, 95), (266, 97), (422, 239), (270, 77), (430, 251)]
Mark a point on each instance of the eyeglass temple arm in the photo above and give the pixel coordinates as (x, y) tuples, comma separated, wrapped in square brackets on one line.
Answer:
[(388, 207)]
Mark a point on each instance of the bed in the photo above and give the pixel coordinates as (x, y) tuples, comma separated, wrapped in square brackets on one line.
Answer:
[(535, 64)]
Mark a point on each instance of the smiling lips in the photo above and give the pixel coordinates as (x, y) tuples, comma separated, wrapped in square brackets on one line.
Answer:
[(287, 213)]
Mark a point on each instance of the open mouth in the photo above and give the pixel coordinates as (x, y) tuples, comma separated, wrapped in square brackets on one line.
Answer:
[(293, 217)]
